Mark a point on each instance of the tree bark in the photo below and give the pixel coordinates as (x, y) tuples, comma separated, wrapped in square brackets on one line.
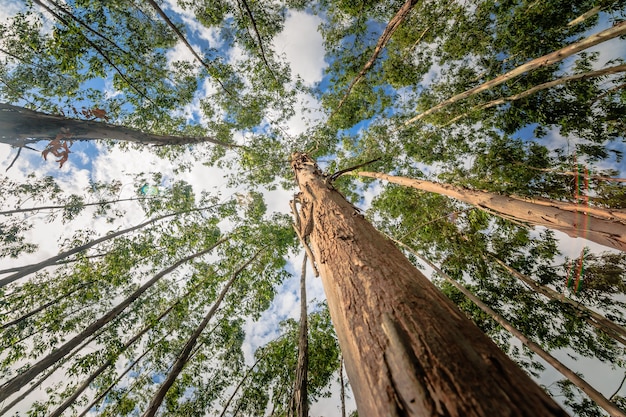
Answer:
[(342, 389), (20, 126), (592, 223), (300, 405), (100, 203), (408, 350), (551, 58), (594, 394), (184, 356), (16, 383)]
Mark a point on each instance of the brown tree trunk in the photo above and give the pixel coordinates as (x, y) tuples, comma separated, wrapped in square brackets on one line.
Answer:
[(16, 383), (592, 223), (594, 394), (408, 350), (20, 126), (185, 354), (342, 389), (300, 404)]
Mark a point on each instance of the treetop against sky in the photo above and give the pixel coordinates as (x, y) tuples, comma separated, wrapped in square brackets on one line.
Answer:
[(203, 103)]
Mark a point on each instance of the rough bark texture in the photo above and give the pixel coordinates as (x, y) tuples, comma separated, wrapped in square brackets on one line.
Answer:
[(594, 394), (20, 126), (585, 223), (408, 350)]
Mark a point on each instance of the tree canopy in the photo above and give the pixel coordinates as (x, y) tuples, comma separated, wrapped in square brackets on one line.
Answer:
[(149, 235)]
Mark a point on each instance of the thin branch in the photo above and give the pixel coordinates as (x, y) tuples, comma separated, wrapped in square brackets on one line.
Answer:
[(392, 26), (182, 38), (339, 173), (258, 35), (19, 151), (618, 388)]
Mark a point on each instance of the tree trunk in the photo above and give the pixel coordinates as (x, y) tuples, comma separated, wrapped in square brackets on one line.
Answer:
[(342, 389), (408, 350), (20, 126), (618, 29), (300, 404), (594, 394), (183, 357), (32, 268), (615, 331), (100, 203), (540, 87), (592, 223), (16, 383)]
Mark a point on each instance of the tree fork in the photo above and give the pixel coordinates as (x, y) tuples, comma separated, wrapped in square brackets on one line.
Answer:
[(408, 350)]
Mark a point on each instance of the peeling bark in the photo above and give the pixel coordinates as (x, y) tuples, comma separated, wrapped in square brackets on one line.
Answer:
[(592, 223), (408, 350)]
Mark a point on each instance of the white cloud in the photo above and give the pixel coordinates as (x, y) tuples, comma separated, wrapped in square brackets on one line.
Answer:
[(302, 46)]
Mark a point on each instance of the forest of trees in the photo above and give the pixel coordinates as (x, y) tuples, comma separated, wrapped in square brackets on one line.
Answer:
[(454, 179)]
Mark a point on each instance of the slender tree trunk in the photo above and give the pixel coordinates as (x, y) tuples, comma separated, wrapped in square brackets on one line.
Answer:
[(408, 349), (391, 28), (20, 126), (300, 405), (342, 389), (44, 306), (241, 381), (592, 223), (615, 331), (100, 203), (183, 357), (82, 387), (594, 394), (16, 383), (61, 262), (32, 268), (540, 87), (617, 30)]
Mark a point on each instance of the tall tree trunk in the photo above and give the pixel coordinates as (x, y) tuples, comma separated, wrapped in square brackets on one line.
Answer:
[(183, 357), (32, 268), (300, 405), (408, 349), (20, 126), (592, 223), (16, 383), (594, 394), (617, 30)]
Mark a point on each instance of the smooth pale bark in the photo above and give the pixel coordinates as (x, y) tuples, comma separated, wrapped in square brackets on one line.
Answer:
[(617, 30), (300, 403), (184, 355), (408, 349), (392, 26), (540, 87), (20, 126), (57, 354), (615, 331), (594, 394), (592, 223), (589, 13), (32, 268)]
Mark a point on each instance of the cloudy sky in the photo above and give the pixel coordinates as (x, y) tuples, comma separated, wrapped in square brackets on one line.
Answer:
[(301, 46)]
